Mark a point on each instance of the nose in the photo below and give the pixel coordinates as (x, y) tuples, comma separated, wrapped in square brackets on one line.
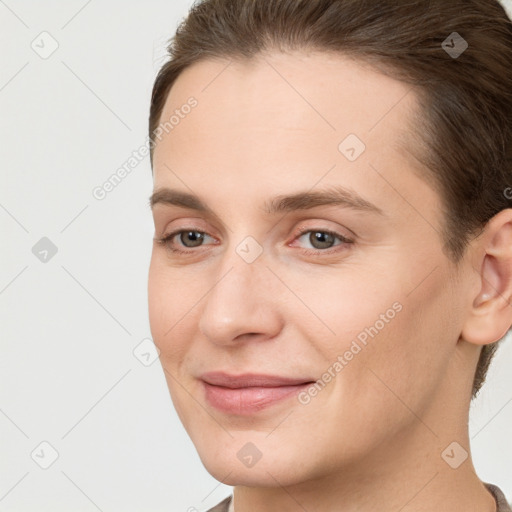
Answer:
[(241, 304)]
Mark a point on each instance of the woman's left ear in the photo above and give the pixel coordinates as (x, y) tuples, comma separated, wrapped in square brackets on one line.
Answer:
[(490, 316)]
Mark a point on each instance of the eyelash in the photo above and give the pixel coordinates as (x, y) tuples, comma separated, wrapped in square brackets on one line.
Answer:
[(166, 239)]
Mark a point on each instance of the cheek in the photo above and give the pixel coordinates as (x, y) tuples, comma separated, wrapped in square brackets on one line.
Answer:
[(339, 306), (379, 325), (166, 308), (389, 368), (166, 302), (156, 301), (407, 359)]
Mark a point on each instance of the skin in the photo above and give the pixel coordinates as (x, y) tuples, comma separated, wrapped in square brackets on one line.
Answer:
[(372, 438)]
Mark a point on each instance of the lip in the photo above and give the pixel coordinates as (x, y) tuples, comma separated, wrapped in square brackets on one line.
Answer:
[(249, 393)]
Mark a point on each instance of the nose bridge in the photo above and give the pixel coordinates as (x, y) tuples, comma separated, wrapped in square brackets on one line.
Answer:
[(238, 301), (242, 266)]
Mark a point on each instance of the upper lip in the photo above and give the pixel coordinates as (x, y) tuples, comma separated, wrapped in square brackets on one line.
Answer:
[(251, 380)]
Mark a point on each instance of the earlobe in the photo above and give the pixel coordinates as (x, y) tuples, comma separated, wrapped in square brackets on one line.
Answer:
[(490, 315)]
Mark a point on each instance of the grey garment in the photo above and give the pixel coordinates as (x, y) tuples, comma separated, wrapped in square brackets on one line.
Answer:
[(502, 505), (501, 502), (223, 506)]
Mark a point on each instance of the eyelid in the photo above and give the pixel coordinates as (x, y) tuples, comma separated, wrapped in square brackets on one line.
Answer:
[(334, 231)]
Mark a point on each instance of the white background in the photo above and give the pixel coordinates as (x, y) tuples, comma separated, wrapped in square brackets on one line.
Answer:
[(68, 327)]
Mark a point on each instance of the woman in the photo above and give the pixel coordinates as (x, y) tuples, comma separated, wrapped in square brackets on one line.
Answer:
[(330, 275)]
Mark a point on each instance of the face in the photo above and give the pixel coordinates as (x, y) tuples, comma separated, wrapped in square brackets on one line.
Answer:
[(311, 251)]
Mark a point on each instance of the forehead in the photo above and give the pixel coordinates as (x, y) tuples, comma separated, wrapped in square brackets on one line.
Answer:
[(316, 92), (286, 119)]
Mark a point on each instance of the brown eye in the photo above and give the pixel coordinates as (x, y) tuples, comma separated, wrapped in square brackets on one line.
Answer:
[(183, 241), (191, 238), (321, 239)]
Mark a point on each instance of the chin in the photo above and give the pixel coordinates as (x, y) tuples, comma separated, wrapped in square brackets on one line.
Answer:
[(266, 472)]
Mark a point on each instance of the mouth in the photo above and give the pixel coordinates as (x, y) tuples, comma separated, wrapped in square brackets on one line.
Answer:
[(248, 394)]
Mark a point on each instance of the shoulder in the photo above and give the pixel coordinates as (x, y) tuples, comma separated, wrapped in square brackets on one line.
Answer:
[(223, 506)]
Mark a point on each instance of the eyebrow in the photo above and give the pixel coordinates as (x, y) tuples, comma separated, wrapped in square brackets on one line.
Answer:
[(304, 200)]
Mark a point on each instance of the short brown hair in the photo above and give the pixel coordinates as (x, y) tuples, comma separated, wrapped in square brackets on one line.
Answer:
[(465, 114)]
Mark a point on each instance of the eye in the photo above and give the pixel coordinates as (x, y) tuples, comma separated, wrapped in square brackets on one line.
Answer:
[(188, 238), (322, 240)]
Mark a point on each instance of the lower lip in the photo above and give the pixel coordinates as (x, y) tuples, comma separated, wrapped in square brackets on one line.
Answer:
[(248, 400)]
